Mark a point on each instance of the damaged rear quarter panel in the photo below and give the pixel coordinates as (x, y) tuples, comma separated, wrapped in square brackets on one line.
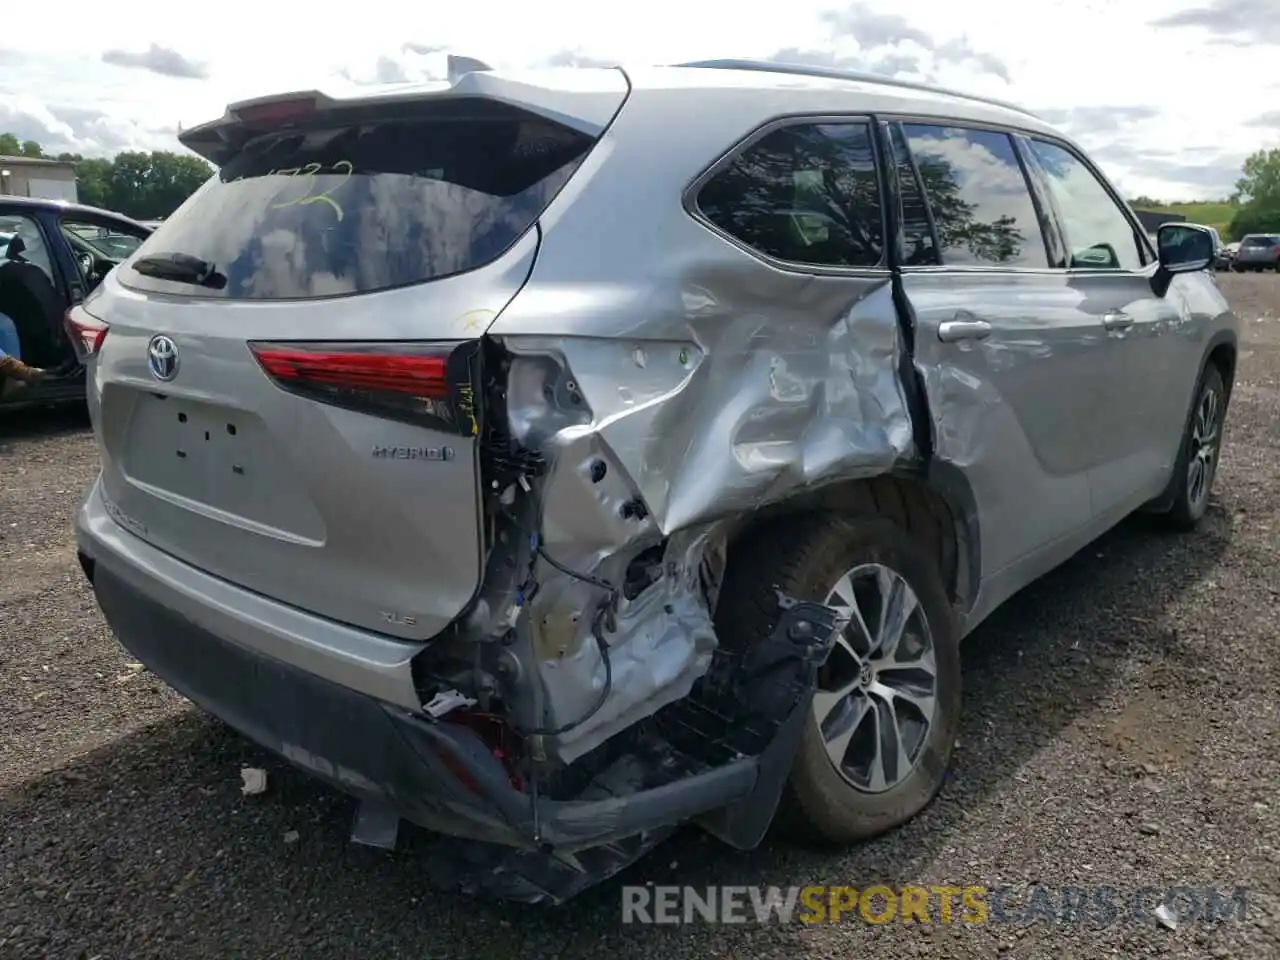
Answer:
[(707, 382)]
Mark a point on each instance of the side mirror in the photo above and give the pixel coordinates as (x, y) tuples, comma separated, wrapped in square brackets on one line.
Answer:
[(1185, 247)]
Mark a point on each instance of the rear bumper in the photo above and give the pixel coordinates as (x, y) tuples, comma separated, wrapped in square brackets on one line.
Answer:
[(226, 650)]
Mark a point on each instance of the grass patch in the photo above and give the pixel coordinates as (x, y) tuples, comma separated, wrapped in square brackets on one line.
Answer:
[(1216, 215)]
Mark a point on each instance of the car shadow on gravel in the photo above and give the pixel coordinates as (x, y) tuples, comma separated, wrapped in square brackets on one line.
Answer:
[(150, 838)]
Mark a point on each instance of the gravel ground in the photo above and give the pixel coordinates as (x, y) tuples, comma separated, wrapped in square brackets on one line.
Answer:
[(1121, 725)]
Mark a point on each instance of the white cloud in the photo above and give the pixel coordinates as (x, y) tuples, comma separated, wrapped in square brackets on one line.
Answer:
[(1152, 86)]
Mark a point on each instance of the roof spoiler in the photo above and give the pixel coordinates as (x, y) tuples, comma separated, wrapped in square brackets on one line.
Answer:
[(458, 67), (588, 110)]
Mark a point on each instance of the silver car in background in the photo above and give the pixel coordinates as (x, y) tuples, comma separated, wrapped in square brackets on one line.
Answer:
[(1259, 251), (553, 459)]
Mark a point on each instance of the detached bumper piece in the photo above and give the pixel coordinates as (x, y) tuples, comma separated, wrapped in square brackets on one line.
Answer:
[(719, 757)]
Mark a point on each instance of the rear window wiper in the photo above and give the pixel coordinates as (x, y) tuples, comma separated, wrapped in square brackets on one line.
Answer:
[(181, 268)]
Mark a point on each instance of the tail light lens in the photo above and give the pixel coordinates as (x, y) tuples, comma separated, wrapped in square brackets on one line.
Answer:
[(429, 384), (86, 332)]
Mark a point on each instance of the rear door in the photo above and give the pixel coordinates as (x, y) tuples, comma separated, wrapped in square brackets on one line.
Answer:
[(1009, 360), (32, 288), (297, 412), (1133, 427)]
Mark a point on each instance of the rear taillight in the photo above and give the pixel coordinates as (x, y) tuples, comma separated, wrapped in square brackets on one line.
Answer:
[(86, 332), (432, 384)]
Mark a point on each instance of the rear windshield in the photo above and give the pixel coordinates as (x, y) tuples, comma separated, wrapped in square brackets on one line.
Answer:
[(1261, 241), (342, 208)]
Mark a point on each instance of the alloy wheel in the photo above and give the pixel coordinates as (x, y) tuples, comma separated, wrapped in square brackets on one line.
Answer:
[(1203, 460), (877, 692)]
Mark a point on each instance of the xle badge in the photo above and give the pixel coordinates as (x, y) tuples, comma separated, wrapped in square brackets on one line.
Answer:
[(412, 453)]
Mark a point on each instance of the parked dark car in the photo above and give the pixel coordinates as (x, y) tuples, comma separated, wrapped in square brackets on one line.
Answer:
[(52, 254), (1259, 251)]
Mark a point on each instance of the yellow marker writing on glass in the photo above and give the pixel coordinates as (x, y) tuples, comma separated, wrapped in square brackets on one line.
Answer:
[(342, 167)]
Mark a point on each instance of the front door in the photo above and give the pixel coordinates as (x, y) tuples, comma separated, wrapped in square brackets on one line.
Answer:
[(97, 243), (1110, 269), (1010, 363)]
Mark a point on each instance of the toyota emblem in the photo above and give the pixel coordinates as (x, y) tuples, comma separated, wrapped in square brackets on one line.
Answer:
[(162, 357)]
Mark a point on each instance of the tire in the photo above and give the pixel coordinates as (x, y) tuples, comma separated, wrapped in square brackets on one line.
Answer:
[(804, 558), (1191, 501)]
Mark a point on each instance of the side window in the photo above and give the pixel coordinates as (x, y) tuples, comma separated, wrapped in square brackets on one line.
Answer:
[(111, 242), (805, 193), (1097, 233), (978, 193), (25, 244), (918, 248)]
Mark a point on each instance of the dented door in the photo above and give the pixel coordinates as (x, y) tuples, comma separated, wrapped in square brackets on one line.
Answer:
[(1008, 359), (1009, 365)]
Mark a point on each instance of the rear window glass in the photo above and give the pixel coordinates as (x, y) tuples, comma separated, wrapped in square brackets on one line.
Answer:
[(1261, 241), (807, 193), (353, 207)]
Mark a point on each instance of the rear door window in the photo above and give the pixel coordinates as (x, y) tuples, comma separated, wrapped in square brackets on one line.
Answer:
[(344, 206), (30, 247), (805, 193), (982, 207)]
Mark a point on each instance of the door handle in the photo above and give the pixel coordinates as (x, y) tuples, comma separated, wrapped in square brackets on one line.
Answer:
[(952, 330), (1117, 320)]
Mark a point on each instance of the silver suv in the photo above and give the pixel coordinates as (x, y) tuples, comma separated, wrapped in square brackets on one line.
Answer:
[(552, 459)]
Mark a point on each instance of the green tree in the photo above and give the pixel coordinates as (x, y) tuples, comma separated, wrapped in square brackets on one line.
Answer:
[(1258, 196), (145, 186), (93, 176), (1261, 180), (1145, 203), (1255, 217)]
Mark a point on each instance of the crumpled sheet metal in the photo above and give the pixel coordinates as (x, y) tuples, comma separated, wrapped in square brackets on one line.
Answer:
[(746, 410), (663, 643), (765, 395)]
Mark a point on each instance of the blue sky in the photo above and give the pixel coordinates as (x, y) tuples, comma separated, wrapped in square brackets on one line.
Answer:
[(1169, 95)]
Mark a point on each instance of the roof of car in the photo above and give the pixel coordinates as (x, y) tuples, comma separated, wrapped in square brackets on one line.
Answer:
[(781, 72), (870, 92), (873, 92), (61, 206)]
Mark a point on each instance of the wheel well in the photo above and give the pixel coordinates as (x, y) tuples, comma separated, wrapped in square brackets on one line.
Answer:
[(1223, 356), (908, 501)]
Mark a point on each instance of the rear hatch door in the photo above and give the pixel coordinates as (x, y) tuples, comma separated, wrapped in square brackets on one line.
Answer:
[(283, 398)]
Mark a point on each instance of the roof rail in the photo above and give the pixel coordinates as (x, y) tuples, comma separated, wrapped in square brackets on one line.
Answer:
[(805, 70)]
